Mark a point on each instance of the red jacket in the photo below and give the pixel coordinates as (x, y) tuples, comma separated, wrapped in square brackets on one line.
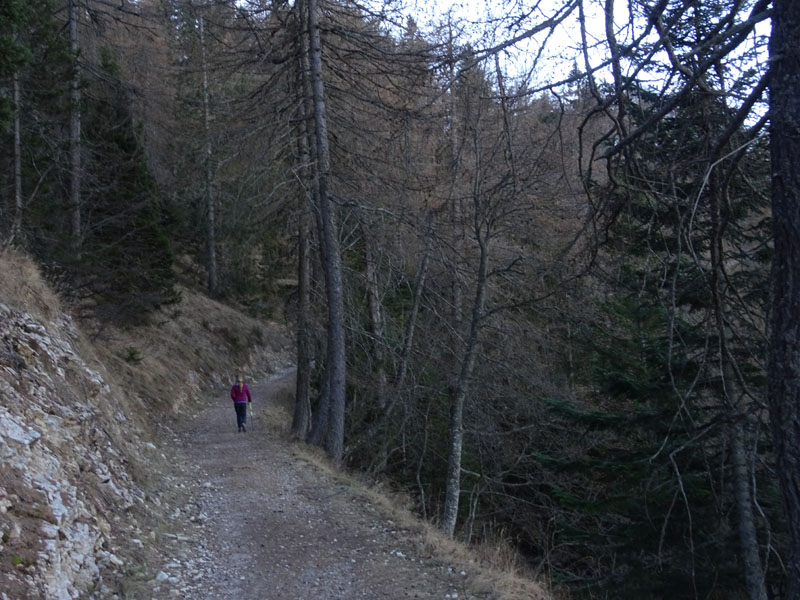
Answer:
[(240, 393)]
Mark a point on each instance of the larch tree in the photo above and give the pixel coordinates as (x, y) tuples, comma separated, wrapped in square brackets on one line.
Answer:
[(335, 360), (373, 84), (307, 198)]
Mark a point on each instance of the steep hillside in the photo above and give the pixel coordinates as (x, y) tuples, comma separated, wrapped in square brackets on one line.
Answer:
[(78, 407)]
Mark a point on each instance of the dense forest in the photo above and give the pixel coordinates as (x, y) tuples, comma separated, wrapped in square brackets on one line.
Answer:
[(555, 306)]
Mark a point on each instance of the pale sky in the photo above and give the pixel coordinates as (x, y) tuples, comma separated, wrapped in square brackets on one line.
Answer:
[(481, 22), (479, 18)]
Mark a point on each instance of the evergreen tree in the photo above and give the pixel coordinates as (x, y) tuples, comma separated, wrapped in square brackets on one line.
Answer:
[(14, 17), (34, 66), (126, 261), (658, 507)]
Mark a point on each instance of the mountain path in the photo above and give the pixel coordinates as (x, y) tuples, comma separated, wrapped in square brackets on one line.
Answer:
[(250, 520)]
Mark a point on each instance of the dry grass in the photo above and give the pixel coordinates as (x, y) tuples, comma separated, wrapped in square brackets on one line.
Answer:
[(23, 288), (276, 414), (493, 568), (189, 347)]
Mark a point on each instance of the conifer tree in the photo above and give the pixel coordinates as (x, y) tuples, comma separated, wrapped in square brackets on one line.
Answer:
[(126, 259), (685, 331), (33, 71)]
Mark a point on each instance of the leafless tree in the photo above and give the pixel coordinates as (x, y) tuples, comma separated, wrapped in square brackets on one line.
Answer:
[(75, 145)]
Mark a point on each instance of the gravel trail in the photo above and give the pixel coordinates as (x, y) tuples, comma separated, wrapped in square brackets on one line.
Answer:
[(254, 522)]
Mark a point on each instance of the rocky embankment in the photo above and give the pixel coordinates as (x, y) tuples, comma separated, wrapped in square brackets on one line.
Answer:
[(65, 485), (79, 469)]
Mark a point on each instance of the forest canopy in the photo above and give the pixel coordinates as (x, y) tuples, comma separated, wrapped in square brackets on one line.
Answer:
[(540, 261)]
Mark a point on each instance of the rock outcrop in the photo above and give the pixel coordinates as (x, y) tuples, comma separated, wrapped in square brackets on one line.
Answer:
[(64, 474), (82, 426)]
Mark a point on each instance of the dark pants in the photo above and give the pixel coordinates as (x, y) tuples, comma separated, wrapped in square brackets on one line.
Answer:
[(241, 413)]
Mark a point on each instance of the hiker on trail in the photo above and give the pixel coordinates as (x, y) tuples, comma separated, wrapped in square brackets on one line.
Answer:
[(240, 394)]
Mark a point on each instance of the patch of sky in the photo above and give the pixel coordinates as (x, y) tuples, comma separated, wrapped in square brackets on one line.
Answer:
[(540, 44)]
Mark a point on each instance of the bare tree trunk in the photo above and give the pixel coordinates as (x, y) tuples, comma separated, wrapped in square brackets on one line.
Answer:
[(302, 409), (301, 420), (319, 427), (75, 130), (335, 363), (748, 538), (16, 225), (456, 208), (733, 399), (453, 477), (411, 324), (376, 318), (208, 194), (319, 418), (301, 423), (783, 371), (743, 494)]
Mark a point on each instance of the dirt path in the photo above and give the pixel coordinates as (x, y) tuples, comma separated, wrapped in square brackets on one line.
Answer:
[(254, 522)]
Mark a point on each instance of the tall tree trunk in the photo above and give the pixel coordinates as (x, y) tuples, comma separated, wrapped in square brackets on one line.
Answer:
[(733, 396), (748, 538), (208, 193), (302, 409), (335, 363), (456, 208), (75, 130), (319, 427), (459, 396), (319, 418), (783, 371), (411, 323), (16, 225), (375, 317), (301, 420)]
